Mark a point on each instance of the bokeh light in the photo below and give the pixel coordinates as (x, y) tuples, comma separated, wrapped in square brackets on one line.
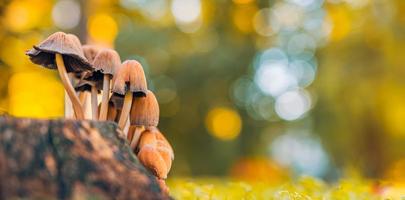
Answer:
[(25, 14), (153, 9), (262, 23), (46, 91), (223, 123), (186, 11), (102, 28), (302, 152), (66, 14), (242, 17), (293, 104), (275, 78)]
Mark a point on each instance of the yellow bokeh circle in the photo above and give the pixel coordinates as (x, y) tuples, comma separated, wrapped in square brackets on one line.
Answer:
[(43, 99), (102, 28), (223, 123)]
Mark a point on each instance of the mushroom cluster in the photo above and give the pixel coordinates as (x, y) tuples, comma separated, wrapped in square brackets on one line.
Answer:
[(125, 100)]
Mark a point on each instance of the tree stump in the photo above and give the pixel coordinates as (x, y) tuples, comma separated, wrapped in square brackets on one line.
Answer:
[(68, 159)]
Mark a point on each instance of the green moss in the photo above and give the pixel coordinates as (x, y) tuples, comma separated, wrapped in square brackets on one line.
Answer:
[(305, 188)]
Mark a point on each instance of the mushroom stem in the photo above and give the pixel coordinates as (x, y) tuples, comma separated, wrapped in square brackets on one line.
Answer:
[(130, 133), (104, 100), (94, 106), (69, 114), (82, 97), (68, 87), (137, 132), (126, 108)]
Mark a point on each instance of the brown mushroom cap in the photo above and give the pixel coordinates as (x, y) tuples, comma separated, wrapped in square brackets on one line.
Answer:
[(107, 61), (90, 52), (130, 72), (66, 44), (145, 110), (155, 152), (88, 79)]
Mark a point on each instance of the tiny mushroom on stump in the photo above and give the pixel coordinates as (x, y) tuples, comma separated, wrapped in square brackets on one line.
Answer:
[(144, 113), (155, 152), (130, 73), (63, 52), (107, 61)]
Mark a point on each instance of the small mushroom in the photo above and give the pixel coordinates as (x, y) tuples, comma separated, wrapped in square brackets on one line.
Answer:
[(129, 74), (106, 62), (155, 152), (91, 82), (63, 52), (90, 51), (144, 113)]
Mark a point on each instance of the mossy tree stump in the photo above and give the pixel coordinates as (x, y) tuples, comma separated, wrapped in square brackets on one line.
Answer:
[(68, 159)]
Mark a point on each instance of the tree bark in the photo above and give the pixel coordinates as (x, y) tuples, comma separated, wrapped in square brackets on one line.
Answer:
[(69, 159)]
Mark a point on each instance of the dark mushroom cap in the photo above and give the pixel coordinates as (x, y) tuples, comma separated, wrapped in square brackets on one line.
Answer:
[(131, 73), (145, 110), (90, 52), (66, 44), (107, 61), (88, 79)]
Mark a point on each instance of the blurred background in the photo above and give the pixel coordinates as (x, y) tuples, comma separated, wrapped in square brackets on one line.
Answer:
[(251, 90)]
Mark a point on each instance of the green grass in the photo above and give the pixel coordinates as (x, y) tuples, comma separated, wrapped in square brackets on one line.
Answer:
[(305, 188)]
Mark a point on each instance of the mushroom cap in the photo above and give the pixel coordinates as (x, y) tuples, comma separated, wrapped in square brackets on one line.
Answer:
[(88, 79), (155, 152), (130, 72), (90, 51), (145, 110), (60, 43), (107, 61)]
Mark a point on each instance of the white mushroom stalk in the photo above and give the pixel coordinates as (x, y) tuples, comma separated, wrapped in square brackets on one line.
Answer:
[(77, 107)]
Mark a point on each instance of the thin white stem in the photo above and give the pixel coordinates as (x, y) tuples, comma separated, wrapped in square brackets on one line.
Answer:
[(135, 138), (125, 110), (104, 100), (68, 87), (94, 106), (69, 114)]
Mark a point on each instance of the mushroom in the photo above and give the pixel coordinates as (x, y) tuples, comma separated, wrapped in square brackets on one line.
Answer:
[(144, 113), (106, 62), (155, 152), (91, 82), (130, 73), (63, 52), (90, 51)]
